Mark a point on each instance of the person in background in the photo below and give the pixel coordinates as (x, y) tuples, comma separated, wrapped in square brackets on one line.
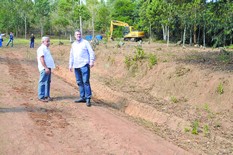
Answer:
[(1, 39), (45, 64), (32, 40), (11, 40), (82, 58)]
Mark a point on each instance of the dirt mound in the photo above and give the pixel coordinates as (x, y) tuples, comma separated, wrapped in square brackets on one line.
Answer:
[(186, 96), (61, 126)]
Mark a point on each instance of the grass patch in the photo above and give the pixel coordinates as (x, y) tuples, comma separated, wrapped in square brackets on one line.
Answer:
[(152, 60), (195, 127), (174, 99), (21, 41), (220, 88), (186, 130), (206, 130)]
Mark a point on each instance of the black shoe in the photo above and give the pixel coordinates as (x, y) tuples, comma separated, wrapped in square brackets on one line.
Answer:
[(80, 100), (43, 100), (49, 98), (88, 102)]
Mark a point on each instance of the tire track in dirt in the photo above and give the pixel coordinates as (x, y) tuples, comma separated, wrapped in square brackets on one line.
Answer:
[(46, 120), (58, 128), (42, 117), (18, 74)]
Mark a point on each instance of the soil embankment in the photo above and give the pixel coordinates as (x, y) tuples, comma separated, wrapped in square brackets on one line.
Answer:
[(61, 126)]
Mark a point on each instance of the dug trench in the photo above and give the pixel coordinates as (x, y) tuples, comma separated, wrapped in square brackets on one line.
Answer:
[(184, 98), (61, 126), (178, 98)]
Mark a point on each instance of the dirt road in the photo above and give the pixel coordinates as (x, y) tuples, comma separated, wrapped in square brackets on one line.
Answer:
[(28, 126)]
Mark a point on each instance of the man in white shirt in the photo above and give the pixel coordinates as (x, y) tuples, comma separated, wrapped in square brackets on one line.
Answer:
[(82, 58), (1, 39), (45, 64)]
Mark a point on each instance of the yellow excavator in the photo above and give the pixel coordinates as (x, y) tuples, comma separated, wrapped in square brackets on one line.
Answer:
[(131, 34)]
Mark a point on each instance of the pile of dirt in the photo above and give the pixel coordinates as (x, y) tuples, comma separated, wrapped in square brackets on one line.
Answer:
[(185, 97)]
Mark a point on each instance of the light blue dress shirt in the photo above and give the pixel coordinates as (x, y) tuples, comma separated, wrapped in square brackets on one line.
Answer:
[(81, 53)]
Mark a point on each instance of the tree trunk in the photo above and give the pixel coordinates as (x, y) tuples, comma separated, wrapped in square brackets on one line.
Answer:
[(93, 26), (204, 36), (80, 19), (184, 38), (150, 32), (224, 40), (164, 32), (25, 27), (167, 36), (190, 38), (194, 34), (81, 29), (198, 37)]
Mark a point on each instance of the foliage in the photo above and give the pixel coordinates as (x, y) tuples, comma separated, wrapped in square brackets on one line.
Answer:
[(73, 11), (132, 60), (102, 19), (152, 60), (140, 54), (122, 10), (225, 57), (174, 99), (206, 130), (195, 127), (194, 20), (220, 88)]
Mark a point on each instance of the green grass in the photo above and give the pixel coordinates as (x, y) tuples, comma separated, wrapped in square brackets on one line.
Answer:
[(231, 46), (206, 130), (220, 88), (195, 127), (174, 99), (186, 129), (206, 107), (21, 41), (152, 60)]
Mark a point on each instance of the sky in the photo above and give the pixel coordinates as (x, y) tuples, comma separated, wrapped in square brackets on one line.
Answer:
[(211, 1)]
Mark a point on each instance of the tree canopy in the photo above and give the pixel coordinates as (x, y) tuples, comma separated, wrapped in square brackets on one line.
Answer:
[(191, 21)]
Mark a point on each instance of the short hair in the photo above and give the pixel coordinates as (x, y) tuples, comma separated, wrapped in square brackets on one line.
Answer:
[(77, 31), (44, 38)]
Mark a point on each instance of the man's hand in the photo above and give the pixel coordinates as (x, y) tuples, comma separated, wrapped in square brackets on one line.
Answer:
[(91, 64), (71, 70), (47, 71)]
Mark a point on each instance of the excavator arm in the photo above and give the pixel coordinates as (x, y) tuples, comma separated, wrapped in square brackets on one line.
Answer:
[(117, 23), (135, 35)]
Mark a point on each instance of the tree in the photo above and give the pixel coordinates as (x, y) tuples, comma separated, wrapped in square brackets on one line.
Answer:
[(24, 10), (122, 10), (93, 8), (102, 18), (42, 12)]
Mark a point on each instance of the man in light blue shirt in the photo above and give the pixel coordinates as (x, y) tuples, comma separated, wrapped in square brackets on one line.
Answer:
[(82, 58), (45, 64)]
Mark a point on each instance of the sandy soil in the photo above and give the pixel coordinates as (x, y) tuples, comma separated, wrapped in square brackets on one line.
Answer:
[(28, 126), (186, 97)]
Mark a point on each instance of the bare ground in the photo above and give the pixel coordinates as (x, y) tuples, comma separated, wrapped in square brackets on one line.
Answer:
[(61, 126), (173, 106)]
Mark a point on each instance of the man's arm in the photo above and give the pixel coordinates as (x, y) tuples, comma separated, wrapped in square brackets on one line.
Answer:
[(47, 71), (91, 54)]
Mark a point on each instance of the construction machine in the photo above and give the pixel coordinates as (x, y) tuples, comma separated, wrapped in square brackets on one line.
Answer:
[(130, 34)]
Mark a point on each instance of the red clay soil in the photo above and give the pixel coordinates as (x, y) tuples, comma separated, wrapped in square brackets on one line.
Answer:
[(28, 126)]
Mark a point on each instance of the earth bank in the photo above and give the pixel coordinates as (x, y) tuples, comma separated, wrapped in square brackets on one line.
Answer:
[(185, 97)]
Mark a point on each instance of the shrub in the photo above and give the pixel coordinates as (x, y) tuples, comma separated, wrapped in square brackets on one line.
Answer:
[(220, 88), (152, 60), (195, 126)]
